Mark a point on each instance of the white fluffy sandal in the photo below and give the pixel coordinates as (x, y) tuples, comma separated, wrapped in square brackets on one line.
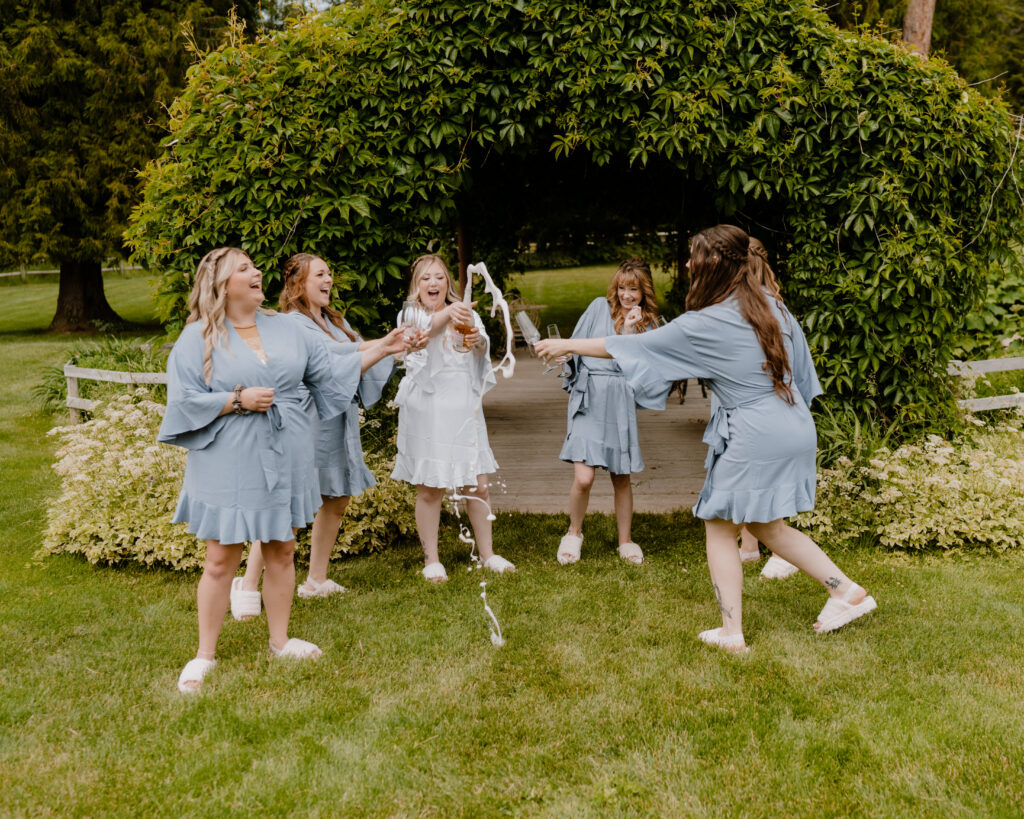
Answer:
[(569, 549), (750, 557), (435, 573), (631, 552), (311, 589), (778, 569), (839, 611), (733, 643), (496, 563), (244, 604), (192, 674), (296, 649)]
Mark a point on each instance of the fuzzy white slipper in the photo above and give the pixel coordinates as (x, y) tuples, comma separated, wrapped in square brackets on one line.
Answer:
[(296, 649), (435, 573), (631, 553), (778, 569), (496, 563), (569, 549), (750, 557), (311, 589), (733, 643), (244, 604), (192, 674), (840, 611)]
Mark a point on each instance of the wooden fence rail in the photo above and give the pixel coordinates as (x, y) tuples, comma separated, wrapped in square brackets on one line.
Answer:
[(24, 272), (966, 369), (72, 373)]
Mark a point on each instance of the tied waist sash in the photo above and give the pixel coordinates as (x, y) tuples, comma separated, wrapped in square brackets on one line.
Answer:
[(717, 432), (580, 402), (269, 438)]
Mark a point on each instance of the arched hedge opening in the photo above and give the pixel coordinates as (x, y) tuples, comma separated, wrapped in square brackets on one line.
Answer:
[(364, 132)]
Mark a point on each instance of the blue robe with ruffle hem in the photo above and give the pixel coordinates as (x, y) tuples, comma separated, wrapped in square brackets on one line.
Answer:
[(761, 450)]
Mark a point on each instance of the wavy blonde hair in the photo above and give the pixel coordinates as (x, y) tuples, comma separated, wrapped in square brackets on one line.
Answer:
[(293, 297), (207, 300), (421, 264), (634, 271)]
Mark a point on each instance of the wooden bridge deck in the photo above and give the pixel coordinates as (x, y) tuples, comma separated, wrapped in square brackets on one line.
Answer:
[(526, 419)]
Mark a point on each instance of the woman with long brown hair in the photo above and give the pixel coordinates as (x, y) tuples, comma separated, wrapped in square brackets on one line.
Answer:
[(761, 439), (341, 470), (234, 402), (600, 400)]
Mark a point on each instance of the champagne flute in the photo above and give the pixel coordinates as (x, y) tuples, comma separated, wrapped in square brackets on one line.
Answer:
[(411, 320), (563, 368)]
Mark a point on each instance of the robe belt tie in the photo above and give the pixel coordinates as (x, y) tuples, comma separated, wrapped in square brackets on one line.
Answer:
[(271, 448), (717, 432)]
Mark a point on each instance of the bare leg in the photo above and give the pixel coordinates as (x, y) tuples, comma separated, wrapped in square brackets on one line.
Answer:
[(579, 496), (254, 565), (726, 572), (804, 553), (623, 488), (428, 519), (279, 588), (477, 513), (324, 535), (214, 591)]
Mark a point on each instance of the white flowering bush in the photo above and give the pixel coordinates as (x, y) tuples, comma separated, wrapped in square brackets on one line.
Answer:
[(119, 489), (930, 495)]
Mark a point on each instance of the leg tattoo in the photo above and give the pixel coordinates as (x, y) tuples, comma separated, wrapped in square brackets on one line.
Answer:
[(718, 596), (832, 582)]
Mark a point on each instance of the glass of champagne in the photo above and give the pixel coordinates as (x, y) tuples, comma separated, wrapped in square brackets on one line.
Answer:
[(412, 319), (563, 368)]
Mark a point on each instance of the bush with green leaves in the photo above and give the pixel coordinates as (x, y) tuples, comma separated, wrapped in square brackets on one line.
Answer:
[(877, 179), (109, 352), (119, 489), (935, 494)]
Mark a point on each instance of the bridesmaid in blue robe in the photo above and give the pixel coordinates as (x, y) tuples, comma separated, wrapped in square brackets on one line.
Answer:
[(761, 440), (602, 428), (341, 469), (235, 402)]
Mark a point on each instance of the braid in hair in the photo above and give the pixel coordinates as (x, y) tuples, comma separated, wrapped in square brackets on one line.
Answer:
[(207, 299), (722, 263)]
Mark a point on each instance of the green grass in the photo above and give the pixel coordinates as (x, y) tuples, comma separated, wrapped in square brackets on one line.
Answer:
[(602, 702), (29, 307), (568, 292)]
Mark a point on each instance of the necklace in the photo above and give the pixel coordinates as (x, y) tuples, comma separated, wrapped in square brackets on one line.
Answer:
[(243, 326)]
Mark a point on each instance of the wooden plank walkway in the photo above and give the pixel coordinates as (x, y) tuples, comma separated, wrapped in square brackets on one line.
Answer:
[(526, 419)]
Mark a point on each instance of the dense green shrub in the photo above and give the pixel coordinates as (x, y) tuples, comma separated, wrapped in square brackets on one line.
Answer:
[(877, 179), (119, 489), (931, 495)]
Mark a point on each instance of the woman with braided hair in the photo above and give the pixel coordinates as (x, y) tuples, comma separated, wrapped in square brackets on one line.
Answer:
[(743, 341), (775, 568), (234, 402)]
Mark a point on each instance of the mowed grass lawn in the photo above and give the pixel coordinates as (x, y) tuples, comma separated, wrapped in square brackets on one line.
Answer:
[(602, 701)]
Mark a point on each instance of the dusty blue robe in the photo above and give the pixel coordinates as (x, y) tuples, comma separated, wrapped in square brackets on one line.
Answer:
[(761, 450), (341, 469), (252, 477), (602, 429)]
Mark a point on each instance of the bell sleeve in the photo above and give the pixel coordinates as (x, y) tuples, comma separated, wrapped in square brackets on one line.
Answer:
[(193, 414), (332, 378), (484, 378), (654, 360)]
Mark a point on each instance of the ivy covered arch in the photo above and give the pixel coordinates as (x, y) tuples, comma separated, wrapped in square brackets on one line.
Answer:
[(363, 132)]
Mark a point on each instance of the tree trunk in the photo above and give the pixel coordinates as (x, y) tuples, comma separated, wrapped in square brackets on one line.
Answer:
[(81, 302), (917, 25), (465, 246)]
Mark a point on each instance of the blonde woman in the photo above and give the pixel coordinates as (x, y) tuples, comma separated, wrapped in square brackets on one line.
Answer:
[(234, 402), (442, 437)]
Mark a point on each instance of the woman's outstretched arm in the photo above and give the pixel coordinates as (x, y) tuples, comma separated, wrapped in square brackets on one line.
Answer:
[(549, 348)]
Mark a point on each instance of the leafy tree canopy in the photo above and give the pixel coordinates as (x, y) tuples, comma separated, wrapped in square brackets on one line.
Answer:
[(84, 86), (878, 179)]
